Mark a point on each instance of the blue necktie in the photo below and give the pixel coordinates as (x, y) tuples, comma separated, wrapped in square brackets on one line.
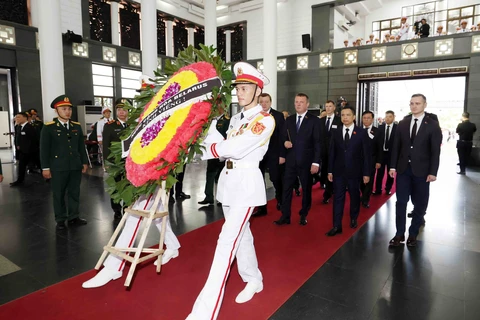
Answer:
[(298, 122)]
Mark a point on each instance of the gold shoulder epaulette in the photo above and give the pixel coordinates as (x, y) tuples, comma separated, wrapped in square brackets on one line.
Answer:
[(227, 116), (49, 123), (74, 122)]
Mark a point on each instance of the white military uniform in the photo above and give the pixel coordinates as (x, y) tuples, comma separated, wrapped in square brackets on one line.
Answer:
[(403, 32), (240, 189), (132, 225)]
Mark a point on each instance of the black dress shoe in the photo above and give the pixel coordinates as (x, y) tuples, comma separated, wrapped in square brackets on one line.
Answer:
[(461, 172), (77, 222), (325, 201), (411, 241), (395, 242), (262, 211), (303, 221), (117, 215), (366, 205), (183, 196), (205, 201), (219, 203), (61, 225), (281, 221), (16, 183), (410, 214), (279, 206), (297, 192), (334, 231), (376, 193), (353, 223), (388, 192)]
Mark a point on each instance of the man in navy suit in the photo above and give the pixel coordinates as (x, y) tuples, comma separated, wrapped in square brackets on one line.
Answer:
[(272, 160), (301, 138), (350, 161), (414, 160), (328, 124), (386, 137)]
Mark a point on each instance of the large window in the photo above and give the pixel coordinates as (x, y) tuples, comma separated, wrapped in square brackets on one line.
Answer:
[(102, 85), (100, 20), (130, 82), (14, 11)]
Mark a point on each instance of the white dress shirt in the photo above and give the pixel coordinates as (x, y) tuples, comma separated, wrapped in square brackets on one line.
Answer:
[(350, 130), (419, 122)]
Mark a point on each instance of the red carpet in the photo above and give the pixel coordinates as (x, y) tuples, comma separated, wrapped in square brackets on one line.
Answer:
[(287, 255)]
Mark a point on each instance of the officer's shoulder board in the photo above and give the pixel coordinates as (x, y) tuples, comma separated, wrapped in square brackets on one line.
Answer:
[(49, 123), (74, 122), (226, 116), (111, 121)]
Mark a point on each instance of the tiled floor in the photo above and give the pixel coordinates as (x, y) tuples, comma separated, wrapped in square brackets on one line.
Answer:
[(440, 279)]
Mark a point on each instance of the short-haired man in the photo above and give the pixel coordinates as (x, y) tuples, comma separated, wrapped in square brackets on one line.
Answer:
[(240, 189), (302, 140), (424, 29), (349, 162), (465, 131), (328, 124), (64, 159), (274, 158), (376, 156), (387, 135), (415, 158), (26, 145)]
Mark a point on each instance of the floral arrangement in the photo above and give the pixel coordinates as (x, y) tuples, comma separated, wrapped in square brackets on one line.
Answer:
[(166, 144)]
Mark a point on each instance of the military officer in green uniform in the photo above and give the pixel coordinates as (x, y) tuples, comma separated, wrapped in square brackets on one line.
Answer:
[(215, 166), (37, 125), (63, 160), (111, 133)]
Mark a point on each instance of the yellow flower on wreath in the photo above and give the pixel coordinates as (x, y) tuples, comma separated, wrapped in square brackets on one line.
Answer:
[(185, 79), (142, 155)]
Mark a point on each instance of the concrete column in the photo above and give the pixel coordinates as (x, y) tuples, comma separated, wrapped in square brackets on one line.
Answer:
[(149, 37), (191, 35), (228, 45), (270, 48), (169, 38), (115, 22), (47, 13), (210, 9)]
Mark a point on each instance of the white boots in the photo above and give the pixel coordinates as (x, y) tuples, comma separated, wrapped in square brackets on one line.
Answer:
[(102, 278), (250, 289), (167, 256), (106, 275)]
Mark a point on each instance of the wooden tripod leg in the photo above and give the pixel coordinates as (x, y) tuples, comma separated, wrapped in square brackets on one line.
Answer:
[(120, 226), (140, 245), (165, 200)]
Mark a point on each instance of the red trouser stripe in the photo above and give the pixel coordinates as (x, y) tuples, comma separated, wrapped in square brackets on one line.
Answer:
[(229, 264), (134, 235)]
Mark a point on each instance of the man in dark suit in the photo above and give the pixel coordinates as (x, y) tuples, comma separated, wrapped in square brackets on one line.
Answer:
[(301, 137), (349, 163), (465, 131), (376, 156), (272, 160), (424, 29), (386, 137), (415, 159), (111, 133), (26, 145), (327, 125)]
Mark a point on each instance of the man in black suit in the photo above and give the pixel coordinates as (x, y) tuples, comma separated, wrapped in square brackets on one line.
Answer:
[(376, 156), (465, 131), (349, 162), (414, 160), (327, 125), (301, 137), (424, 29), (272, 159), (385, 138), (26, 145)]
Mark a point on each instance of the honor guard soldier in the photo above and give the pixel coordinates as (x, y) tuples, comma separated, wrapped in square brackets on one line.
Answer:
[(215, 166), (111, 133), (37, 125), (240, 189), (63, 159)]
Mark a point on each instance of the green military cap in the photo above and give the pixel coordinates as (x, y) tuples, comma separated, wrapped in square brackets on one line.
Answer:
[(119, 103), (60, 101)]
